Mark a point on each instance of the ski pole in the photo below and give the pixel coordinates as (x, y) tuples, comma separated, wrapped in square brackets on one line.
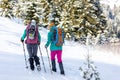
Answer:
[(25, 56), (42, 58), (49, 60)]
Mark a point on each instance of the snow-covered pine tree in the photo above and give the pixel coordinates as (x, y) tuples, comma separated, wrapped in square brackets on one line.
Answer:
[(85, 17), (31, 13), (56, 10), (28, 10), (116, 22), (78, 17), (113, 29), (45, 11), (89, 70), (6, 7)]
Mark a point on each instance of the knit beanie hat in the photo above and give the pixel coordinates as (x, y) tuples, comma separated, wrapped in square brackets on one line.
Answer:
[(33, 22)]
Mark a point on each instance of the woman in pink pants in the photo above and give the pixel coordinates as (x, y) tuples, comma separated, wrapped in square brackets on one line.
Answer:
[(56, 51)]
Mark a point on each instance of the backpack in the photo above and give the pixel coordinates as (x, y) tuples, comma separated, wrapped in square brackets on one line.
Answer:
[(58, 36), (31, 32)]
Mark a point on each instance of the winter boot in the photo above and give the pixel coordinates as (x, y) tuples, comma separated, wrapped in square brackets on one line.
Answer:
[(31, 64), (37, 63), (53, 65), (61, 68)]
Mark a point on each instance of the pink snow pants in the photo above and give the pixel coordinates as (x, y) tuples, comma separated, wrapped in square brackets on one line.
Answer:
[(59, 55)]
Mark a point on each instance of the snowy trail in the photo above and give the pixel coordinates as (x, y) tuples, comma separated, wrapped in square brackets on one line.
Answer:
[(12, 62), (53, 76), (37, 73), (43, 78), (13, 67), (17, 69)]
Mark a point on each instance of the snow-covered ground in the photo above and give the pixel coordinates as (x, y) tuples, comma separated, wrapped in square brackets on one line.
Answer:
[(12, 62)]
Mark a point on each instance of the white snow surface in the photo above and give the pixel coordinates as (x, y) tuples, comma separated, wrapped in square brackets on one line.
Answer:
[(12, 61)]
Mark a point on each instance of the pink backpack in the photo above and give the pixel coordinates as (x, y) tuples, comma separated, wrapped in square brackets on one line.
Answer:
[(32, 34)]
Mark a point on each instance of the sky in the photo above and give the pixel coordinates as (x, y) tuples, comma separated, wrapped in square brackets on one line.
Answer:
[(12, 61)]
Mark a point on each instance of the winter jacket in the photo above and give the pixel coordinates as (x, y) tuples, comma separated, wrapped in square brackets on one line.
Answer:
[(50, 42), (27, 41)]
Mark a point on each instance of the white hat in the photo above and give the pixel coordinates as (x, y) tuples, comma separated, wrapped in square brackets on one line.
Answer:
[(33, 22)]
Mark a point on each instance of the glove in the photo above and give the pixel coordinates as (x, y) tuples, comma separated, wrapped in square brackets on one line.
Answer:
[(22, 40), (38, 42)]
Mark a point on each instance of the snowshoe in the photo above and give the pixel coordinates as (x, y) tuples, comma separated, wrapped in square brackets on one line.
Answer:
[(54, 66), (62, 73), (36, 60), (38, 67), (61, 68), (31, 64), (54, 70), (32, 67)]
